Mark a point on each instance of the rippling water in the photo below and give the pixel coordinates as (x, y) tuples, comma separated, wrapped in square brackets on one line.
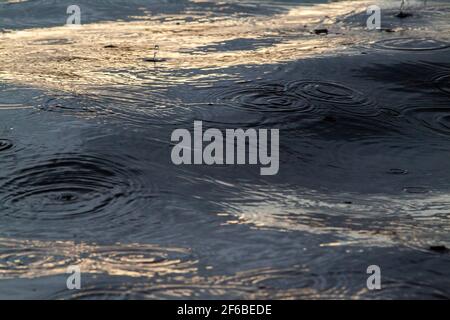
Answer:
[(86, 176)]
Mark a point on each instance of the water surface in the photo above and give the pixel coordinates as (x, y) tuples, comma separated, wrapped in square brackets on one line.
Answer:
[(86, 176)]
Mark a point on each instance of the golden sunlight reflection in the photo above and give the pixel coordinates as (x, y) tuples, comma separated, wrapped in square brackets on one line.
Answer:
[(403, 220), (35, 258), (74, 59), (70, 59)]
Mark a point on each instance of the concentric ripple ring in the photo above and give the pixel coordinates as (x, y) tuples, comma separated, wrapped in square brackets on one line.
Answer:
[(411, 44), (69, 187), (5, 144)]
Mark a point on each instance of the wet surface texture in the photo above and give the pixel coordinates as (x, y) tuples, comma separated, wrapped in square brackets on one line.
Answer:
[(86, 116)]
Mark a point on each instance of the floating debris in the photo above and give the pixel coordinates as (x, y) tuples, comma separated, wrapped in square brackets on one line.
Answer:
[(321, 31)]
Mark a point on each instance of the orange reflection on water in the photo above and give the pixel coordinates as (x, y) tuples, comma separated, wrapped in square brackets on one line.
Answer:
[(35, 258), (68, 58)]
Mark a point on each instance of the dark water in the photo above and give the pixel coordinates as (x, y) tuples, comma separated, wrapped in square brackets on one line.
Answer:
[(86, 176)]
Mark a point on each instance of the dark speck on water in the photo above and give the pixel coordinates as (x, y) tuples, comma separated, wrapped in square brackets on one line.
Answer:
[(155, 59), (439, 248), (321, 31), (403, 15)]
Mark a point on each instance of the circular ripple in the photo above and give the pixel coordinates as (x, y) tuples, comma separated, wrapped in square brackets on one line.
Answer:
[(138, 106), (5, 144), (180, 288), (70, 105), (141, 260), (434, 119), (259, 104), (443, 83), (35, 258), (265, 98), (71, 186), (339, 96), (16, 98), (31, 258), (135, 106), (411, 44)]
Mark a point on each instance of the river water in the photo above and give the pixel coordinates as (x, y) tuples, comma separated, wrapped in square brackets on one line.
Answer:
[(86, 176)]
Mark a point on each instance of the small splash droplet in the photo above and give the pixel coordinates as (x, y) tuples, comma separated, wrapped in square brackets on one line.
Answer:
[(155, 53)]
